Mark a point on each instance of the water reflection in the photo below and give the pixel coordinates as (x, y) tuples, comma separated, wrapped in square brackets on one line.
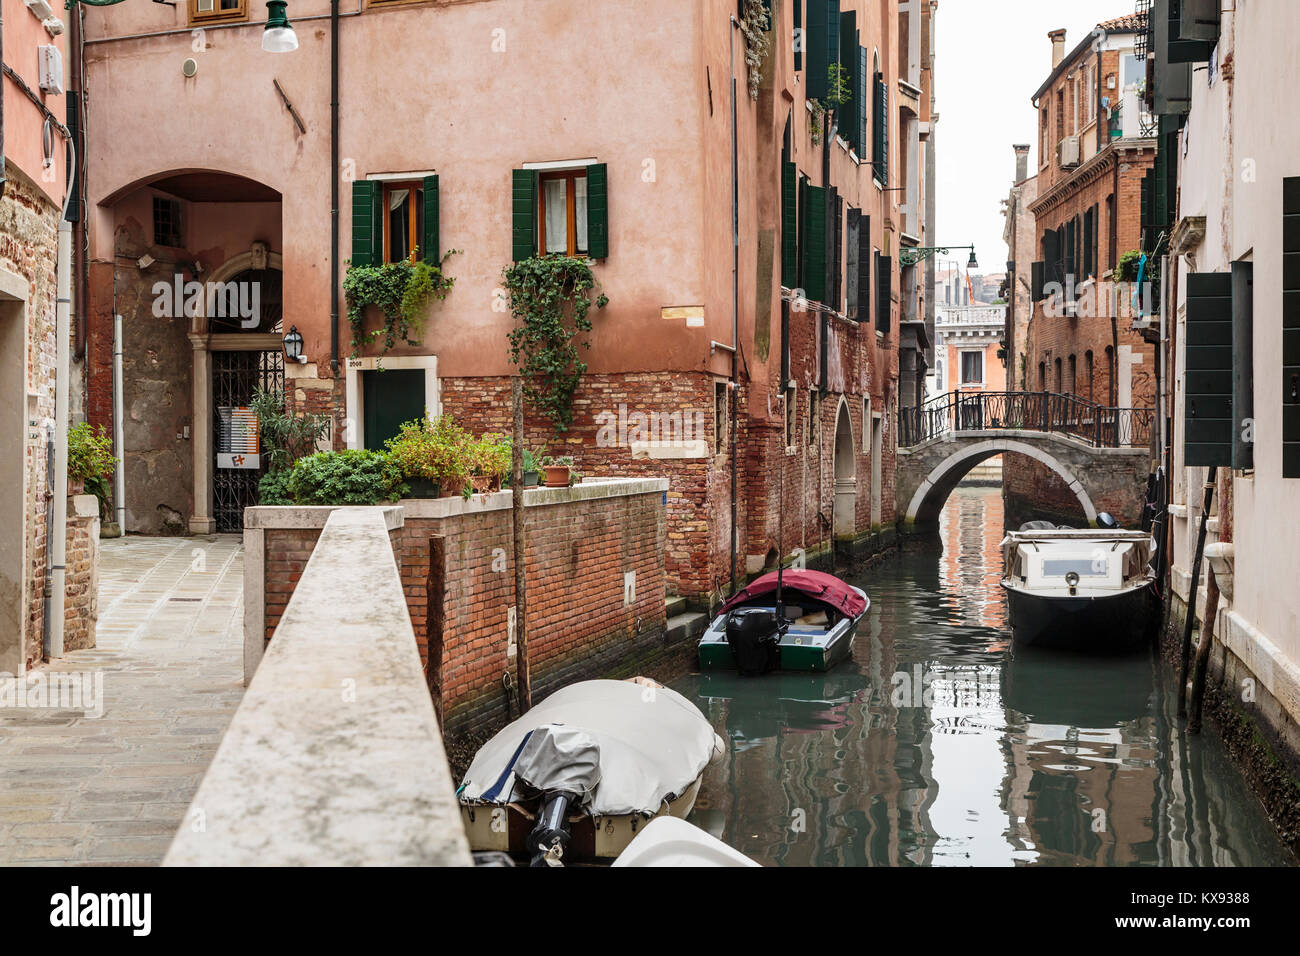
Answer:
[(937, 745)]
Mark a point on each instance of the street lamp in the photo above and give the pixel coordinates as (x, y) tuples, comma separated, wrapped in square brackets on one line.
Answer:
[(911, 255), (293, 345), (278, 35), (973, 263)]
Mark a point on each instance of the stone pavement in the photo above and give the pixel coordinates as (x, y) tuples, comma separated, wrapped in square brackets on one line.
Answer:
[(112, 790)]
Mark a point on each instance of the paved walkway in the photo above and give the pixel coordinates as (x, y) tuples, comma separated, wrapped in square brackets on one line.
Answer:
[(112, 790)]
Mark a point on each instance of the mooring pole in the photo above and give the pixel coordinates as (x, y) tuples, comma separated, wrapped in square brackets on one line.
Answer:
[(1203, 651), (517, 512), (1185, 659), (435, 590)]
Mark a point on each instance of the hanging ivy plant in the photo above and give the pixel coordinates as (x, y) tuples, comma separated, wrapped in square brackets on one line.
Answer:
[(756, 28), (401, 291), (550, 297)]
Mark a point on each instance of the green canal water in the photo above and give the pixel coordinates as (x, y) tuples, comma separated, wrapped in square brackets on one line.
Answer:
[(939, 744)]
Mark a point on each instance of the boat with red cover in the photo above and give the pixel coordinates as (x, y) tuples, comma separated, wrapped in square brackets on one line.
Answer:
[(793, 620)]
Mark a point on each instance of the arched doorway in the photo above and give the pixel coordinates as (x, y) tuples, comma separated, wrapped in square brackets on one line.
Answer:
[(238, 348), (846, 475)]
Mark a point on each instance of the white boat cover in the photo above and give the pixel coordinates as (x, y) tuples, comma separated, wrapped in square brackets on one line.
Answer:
[(653, 743)]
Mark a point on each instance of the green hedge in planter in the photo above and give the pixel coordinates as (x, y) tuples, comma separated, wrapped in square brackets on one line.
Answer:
[(349, 477)]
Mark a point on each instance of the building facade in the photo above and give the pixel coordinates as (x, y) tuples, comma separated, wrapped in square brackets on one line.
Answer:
[(33, 166), (1020, 235), (784, 345), (1082, 339), (1226, 233)]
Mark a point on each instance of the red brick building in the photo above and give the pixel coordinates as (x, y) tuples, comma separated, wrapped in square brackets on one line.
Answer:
[(1094, 149)]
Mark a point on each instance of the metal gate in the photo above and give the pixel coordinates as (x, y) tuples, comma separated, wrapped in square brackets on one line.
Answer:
[(235, 377)]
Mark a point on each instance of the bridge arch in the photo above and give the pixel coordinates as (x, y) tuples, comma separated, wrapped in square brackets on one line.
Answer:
[(930, 495)]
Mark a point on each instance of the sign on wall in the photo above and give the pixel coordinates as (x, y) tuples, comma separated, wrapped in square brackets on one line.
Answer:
[(238, 444)]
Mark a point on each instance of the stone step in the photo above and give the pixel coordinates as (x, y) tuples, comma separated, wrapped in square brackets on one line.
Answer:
[(686, 626), (675, 605)]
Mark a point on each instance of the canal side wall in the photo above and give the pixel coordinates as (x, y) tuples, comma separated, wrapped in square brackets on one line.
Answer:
[(1252, 694), (334, 756), (595, 556)]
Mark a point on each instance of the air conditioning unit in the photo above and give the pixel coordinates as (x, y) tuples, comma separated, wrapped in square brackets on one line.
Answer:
[(49, 68), (1067, 153)]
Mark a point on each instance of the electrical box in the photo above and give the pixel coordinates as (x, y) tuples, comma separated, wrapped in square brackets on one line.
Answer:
[(49, 62)]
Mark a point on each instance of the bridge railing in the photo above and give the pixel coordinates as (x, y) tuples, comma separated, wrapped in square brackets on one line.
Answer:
[(1097, 425)]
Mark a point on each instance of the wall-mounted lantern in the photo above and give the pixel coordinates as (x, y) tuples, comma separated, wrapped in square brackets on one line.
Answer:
[(278, 35), (293, 345)]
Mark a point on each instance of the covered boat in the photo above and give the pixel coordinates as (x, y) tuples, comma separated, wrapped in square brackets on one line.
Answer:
[(1089, 589), (580, 774), (789, 620)]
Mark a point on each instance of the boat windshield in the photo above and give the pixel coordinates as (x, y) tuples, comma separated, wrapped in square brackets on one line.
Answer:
[(1084, 567)]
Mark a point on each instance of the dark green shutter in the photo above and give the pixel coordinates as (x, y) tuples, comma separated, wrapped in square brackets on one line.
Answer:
[(1243, 362), (851, 247), (367, 227), (1291, 327), (1208, 422), (860, 105), (814, 246), (1193, 30), (523, 217), (880, 151), (1036, 272), (432, 250), (884, 291), (846, 112), (864, 269), (816, 43), (597, 211), (832, 36), (789, 225)]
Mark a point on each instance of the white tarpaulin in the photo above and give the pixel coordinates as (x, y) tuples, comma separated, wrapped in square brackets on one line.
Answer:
[(652, 743)]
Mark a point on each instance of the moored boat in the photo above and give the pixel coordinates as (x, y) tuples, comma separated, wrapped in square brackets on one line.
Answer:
[(1081, 589), (579, 775), (793, 620)]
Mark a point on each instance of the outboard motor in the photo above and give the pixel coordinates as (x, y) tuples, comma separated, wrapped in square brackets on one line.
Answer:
[(1106, 520), (561, 765), (550, 835), (754, 636)]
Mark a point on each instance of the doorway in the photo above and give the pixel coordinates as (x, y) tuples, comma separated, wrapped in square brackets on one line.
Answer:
[(844, 508)]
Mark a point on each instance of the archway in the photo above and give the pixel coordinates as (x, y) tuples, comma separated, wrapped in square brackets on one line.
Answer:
[(846, 480), (933, 491)]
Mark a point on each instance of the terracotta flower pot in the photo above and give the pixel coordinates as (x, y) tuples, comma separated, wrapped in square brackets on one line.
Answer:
[(485, 484), (557, 476)]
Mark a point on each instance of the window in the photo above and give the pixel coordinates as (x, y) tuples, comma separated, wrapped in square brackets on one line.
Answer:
[(1059, 383), (1087, 372), (1042, 376), (720, 417), (403, 220), (1073, 379), (562, 213), (812, 416), (218, 11), (972, 367), (167, 222)]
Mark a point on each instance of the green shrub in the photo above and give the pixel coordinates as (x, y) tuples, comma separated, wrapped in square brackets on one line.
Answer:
[(349, 477), (90, 453), (274, 488), (437, 451)]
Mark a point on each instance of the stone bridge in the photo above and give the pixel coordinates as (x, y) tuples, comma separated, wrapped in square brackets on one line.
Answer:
[(1103, 479)]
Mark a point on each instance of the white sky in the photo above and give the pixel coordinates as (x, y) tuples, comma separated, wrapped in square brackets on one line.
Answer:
[(990, 57)]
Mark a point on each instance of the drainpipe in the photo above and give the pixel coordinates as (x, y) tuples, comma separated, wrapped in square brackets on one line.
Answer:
[(735, 299), (57, 545), (2, 111), (334, 190), (119, 473)]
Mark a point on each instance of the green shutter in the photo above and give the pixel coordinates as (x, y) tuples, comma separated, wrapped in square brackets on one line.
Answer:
[(597, 211), (1208, 422), (880, 153), (832, 36), (816, 44), (814, 247), (864, 268), (432, 249), (848, 59), (523, 217), (884, 292), (1243, 362), (367, 227), (860, 105), (789, 225), (1036, 273), (1290, 327)]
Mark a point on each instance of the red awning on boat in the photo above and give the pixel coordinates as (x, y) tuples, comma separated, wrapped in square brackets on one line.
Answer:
[(824, 587)]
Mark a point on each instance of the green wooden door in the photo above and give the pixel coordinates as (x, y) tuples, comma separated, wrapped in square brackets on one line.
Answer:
[(390, 397)]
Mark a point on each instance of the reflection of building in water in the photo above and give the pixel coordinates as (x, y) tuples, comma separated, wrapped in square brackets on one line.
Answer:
[(971, 528)]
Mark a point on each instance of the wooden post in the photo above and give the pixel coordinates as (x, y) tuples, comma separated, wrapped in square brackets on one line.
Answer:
[(435, 588), (1185, 658), (1203, 652), (522, 677)]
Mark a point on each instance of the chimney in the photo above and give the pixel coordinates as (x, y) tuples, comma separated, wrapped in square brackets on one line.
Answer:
[(1022, 161), (1058, 47)]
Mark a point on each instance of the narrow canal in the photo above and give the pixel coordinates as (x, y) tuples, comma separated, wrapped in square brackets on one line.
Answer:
[(940, 745)]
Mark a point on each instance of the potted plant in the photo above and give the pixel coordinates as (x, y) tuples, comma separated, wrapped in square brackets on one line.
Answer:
[(489, 458), (432, 456), (90, 460), (558, 471)]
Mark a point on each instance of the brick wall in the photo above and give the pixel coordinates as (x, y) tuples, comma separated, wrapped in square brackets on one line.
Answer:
[(578, 551), (81, 605)]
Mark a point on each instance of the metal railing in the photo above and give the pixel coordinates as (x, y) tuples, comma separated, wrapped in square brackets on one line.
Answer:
[(1089, 422)]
